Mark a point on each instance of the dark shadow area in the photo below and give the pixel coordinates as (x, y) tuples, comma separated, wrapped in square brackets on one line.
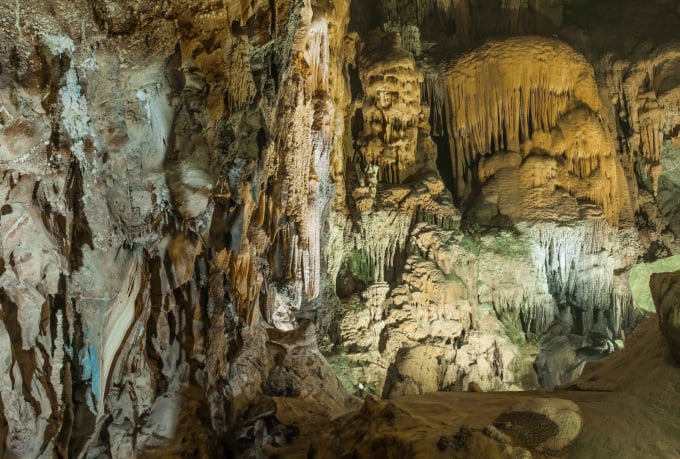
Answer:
[(355, 82), (364, 16), (444, 163)]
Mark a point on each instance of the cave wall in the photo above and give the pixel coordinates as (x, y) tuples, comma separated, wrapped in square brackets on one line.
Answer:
[(166, 170)]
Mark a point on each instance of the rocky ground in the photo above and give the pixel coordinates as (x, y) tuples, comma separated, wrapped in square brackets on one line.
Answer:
[(628, 405)]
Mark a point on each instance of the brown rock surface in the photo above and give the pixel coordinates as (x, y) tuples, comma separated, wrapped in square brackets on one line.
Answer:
[(605, 412), (665, 289)]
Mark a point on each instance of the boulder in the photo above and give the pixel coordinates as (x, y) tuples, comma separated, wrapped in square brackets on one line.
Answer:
[(544, 425), (665, 289)]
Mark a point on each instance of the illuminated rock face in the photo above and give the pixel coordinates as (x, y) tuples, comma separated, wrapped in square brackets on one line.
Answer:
[(195, 195), (526, 113), (391, 111), (165, 179)]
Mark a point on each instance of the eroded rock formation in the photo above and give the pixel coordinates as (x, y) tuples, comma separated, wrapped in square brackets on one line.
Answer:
[(593, 416), (664, 287)]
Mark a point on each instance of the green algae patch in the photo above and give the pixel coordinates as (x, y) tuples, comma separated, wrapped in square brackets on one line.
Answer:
[(639, 280)]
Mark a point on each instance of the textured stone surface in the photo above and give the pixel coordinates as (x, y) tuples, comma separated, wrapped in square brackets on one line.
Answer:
[(665, 289), (145, 255), (546, 425), (593, 417)]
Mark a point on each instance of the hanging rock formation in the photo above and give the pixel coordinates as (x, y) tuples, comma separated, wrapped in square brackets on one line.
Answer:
[(542, 123), (161, 219)]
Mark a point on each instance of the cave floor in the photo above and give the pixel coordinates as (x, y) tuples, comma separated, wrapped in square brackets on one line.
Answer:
[(629, 402)]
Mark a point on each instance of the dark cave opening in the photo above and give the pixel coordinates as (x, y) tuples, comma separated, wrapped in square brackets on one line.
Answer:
[(444, 162), (363, 17), (354, 82)]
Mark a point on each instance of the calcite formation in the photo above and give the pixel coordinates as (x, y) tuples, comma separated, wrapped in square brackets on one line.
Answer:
[(391, 111), (213, 211), (593, 416), (527, 113)]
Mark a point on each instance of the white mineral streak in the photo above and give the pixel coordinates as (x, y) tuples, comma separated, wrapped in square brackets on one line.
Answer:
[(58, 44), (317, 54), (320, 196), (159, 114), (120, 314), (75, 115), (320, 190), (58, 355), (25, 427), (286, 301)]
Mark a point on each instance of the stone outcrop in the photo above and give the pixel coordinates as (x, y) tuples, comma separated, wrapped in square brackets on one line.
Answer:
[(165, 176), (519, 137), (410, 321), (665, 289)]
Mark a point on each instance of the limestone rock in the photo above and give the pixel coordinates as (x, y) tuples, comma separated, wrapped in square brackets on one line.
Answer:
[(665, 289), (499, 118), (545, 425), (391, 109)]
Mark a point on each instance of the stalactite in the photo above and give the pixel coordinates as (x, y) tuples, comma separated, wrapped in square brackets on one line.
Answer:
[(543, 119), (649, 103), (320, 194), (490, 96), (391, 110), (579, 264), (240, 88), (409, 33), (317, 54), (434, 92), (383, 237)]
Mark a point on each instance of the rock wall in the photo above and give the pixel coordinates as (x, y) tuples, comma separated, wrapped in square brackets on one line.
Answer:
[(664, 288), (165, 178)]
